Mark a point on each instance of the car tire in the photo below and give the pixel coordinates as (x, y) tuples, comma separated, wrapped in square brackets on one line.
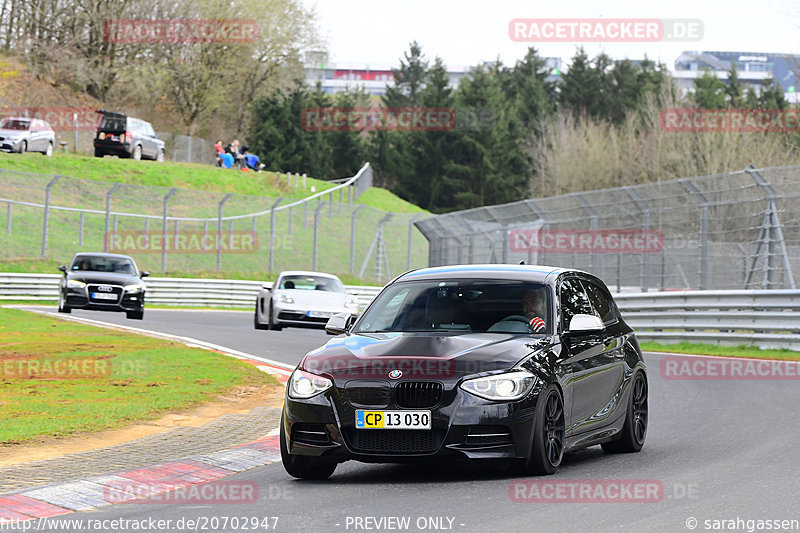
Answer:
[(62, 307), (303, 466), (137, 153), (631, 438), (49, 150), (23, 147), (161, 156), (98, 153), (548, 435), (274, 326), (256, 322), (135, 315)]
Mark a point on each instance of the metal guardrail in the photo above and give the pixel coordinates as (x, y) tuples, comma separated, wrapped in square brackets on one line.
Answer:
[(163, 291), (763, 318)]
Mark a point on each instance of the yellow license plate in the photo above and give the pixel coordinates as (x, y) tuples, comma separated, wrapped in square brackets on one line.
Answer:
[(393, 419)]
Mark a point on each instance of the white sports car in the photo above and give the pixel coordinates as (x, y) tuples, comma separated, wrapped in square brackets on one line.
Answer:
[(303, 299)]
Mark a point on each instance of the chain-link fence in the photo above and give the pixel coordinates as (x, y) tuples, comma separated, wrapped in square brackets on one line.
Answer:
[(178, 230), (729, 231), (179, 148)]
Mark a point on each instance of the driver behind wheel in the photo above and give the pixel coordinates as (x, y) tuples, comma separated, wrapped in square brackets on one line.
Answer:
[(535, 309)]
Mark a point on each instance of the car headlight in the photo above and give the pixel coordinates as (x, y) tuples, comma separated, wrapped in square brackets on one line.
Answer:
[(285, 298), (75, 284), (509, 386), (304, 385), (351, 303), (136, 287)]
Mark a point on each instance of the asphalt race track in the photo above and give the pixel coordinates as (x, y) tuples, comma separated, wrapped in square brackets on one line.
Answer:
[(719, 450)]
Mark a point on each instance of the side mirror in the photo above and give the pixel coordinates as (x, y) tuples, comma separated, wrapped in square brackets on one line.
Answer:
[(63, 268), (339, 323), (585, 324), (144, 274)]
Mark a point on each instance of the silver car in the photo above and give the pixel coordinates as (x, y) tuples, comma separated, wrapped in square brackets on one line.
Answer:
[(22, 134), (303, 299)]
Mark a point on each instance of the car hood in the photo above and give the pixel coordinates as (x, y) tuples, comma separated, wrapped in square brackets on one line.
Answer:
[(108, 278), (418, 355), (315, 300)]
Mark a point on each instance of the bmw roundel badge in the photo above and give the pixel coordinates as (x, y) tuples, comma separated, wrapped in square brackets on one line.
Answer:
[(395, 374)]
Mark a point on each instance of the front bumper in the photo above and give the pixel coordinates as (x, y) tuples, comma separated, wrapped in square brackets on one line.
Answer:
[(9, 146), (294, 316), (463, 426), (79, 298)]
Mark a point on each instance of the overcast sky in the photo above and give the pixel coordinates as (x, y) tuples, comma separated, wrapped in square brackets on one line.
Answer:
[(467, 32)]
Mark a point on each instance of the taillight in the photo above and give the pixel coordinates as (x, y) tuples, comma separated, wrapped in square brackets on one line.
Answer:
[(126, 136)]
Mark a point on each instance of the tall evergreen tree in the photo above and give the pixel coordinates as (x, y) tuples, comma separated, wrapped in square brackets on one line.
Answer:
[(581, 87), (709, 92), (734, 88)]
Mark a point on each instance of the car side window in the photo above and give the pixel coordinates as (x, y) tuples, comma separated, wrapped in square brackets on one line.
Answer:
[(573, 301), (601, 301)]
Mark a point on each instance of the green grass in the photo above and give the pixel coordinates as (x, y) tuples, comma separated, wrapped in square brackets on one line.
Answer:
[(726, 351), (131, 377), (183, 175), (383, 199), (294, 228)]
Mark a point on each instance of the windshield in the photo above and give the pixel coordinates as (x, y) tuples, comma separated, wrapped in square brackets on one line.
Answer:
[(477, 306), (311, 283), (14, 124), (103, 264)]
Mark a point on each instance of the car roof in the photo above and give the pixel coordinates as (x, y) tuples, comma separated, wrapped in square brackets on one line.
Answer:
[(536, 273), (306, 273), (103, 254)]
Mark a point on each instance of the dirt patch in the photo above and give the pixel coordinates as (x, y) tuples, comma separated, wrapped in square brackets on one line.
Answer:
[(237, 401)]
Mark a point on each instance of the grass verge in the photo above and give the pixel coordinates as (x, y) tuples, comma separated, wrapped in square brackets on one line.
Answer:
[(59, 378), (723, 351)]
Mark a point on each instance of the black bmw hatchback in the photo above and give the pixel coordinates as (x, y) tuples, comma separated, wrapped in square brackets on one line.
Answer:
[(102, 282), (522, 363)]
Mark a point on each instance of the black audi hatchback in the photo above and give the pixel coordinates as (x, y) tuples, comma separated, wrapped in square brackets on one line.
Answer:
[(522, 363), (102, 282)]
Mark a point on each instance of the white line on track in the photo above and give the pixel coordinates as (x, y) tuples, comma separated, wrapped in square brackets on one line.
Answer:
[(277, 366)]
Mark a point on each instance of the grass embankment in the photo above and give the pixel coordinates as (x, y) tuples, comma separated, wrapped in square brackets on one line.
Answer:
[(59, 378), (723, 351), (255, 192), (168, 174)]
